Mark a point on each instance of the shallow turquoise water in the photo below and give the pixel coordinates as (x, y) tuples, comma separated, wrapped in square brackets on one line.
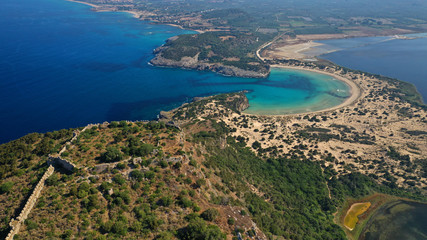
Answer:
[(295, 91), (63, 65)]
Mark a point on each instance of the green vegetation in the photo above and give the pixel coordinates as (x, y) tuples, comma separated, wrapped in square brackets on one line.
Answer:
[(210, 215), (229, 48), (152, 181), (393, 154), (316, 16), (251, 24), (6, 187), (198, 229), (22, 163), (21, 153), (112, 155), (298, 206), (233, 101), (131, 200)]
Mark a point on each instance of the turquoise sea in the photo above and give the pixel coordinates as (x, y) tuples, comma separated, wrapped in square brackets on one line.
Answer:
[(63, 65)]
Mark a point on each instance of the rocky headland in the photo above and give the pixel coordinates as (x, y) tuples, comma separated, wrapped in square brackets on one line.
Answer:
[(195, 64)]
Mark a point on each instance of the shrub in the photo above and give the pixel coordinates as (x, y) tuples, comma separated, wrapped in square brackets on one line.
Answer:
[(210, 214), (188, 181), (184, 202), (52, 180), (93, 202), (105, 187), (137, 175), (198, 229), (200, 182), (256, 145), (120, 227), (121, 166), (84, 187), (193, 163), (165, 201), (119, 179), (31, 224), (81, 194), (6, 187), (112, 155), (67, 234), (177, 165), (163, 164), (196, 208), (149, 175), (165, 236)]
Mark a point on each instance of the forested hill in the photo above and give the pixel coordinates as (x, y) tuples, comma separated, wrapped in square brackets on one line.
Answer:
[(229, 53), (184, 177)]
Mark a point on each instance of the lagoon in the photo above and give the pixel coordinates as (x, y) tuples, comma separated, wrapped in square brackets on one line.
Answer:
[(401, 58), (397, 220)]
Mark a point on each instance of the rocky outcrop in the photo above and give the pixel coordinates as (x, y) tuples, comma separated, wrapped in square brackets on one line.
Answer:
[(241, 102), (193, 63)]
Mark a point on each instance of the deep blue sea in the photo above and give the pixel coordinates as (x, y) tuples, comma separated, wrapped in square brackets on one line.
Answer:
[(63, 65), (404, 59)]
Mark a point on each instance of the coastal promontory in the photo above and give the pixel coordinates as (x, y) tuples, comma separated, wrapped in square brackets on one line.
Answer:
[(226, 53)]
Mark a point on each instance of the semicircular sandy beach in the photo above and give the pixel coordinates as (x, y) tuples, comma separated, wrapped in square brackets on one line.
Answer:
[(354, 91)]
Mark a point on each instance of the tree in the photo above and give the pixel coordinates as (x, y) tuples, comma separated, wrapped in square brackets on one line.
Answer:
[(112, 155), (6, 187), (165, 236), (137, 175), (197, 229), (200, 182), (52, 180), (256, 145), (163, 164), (165, 201), (31, 224), (210, 214)]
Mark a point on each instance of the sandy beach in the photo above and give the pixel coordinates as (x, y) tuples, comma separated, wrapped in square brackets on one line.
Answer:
[(295, 51), (135, 14), (99, 8), (354, 88), (90, 4), (180, 27)]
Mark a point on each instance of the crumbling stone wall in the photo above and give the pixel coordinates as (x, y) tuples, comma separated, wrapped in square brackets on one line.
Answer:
[(15, 224)]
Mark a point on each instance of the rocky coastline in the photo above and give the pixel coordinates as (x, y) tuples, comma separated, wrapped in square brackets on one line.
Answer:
[(194, 64)]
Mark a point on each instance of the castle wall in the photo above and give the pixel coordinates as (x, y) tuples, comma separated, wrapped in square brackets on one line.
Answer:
[(15, 224)]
